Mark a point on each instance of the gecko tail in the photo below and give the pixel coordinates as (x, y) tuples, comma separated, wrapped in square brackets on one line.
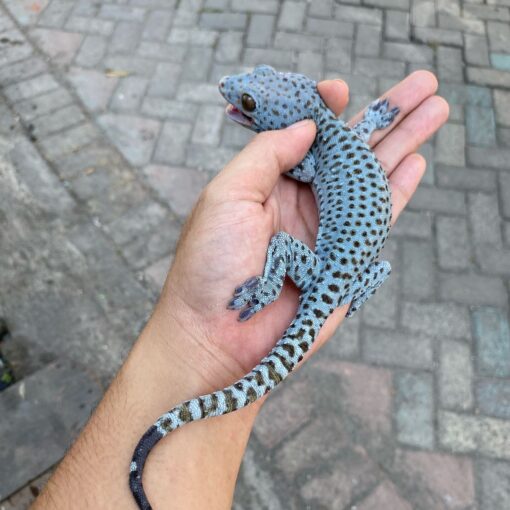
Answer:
[(274, 368)]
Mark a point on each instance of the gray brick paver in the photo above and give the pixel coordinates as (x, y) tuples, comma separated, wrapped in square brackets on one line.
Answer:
[(121, 99)]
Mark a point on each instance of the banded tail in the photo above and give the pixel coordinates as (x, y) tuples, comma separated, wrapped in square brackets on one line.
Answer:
[(283, 358)]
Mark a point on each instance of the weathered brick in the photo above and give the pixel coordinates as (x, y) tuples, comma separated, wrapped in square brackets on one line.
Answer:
[(286, 41), (187, 14), (450, 64), (32, 87), (455, 376), (414, 402), (470, 179), (350, 478), (453, 243), (466, 25), (500, 61), (267, 6), (492, 334), (441, 320), (502, 106), (41, 105), (90, 25), (283, 59), (438, 200), (409, 52), (93, 87), (121, 12), (438, 36), (292, 413), (192, 37), (476, 51), (487, 12), (56, 121), (55, 14), (368, 40), (223, 21), (413, 224), (493, 397), (321, 8), (394, 348), (157, 25), (92, 51), (197, 64), (466, 433), (494, 484), (165, 81), (134, 136), (450, 145), (260, 30), (493, 157), (356, 14), (59, 45), (499, 35), (384, 496), (171, 147), (129, 93), (126, 37), (437, 480), (485, 220), (397, 25), (55, 418), (472, 289), (504, 189), (208, 158), (180, 187), (153, 50), (21, 71), (423, 13), (310, 64), (330, 27), (379, 67), (199, 93), (466, 94), (207, 129), (229, 47), (418, 269), (486, 76), (15, 54), (162, 108), (338, 56), (70, 140), (292, 15)]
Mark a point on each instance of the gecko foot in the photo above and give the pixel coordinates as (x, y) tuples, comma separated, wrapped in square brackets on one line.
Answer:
[(379, 115), (254, 294)]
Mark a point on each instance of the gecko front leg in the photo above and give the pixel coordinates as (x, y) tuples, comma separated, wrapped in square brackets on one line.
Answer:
[(304, 171)]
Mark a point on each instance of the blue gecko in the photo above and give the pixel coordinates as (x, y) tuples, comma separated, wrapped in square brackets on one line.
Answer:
[(354, 204)]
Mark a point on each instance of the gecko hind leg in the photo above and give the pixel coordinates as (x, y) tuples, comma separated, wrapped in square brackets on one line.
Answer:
[(377, 116), (285, 256), (366, 285)]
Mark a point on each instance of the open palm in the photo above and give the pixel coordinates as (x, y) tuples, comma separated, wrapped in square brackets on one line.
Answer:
[(225, 240)]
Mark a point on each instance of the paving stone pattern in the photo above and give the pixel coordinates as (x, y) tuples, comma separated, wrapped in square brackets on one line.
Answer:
[(111, 124)]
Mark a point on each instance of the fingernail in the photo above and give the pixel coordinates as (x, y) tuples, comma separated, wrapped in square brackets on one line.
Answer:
[(301, 124)]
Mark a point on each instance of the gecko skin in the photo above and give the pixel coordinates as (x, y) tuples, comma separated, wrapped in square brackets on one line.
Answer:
[(354, 204)]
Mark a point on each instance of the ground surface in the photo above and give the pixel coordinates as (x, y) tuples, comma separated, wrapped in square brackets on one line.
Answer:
[(111, 124)]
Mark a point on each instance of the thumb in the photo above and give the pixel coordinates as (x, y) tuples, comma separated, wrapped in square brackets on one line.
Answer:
[(253, 173)]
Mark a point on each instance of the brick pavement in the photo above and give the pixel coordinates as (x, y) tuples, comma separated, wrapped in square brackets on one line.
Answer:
[(111, 124)]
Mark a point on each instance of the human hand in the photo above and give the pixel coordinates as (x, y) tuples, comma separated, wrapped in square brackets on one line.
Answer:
[(225, 240)]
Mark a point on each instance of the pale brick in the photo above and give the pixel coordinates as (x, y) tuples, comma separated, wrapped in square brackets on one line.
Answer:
[(292, 15), (121, 12), (162, 108), (197, 64), (56, 121), (165, 81), (441, 320), (356, 14), (414, 402), (438, 200), (266, 6), (504, 189), (484, 218), (157, 25), (465, 434), (129, 93), (229, 47), (418, 269), (126, 37), (493, 157), (286, 41), (472, 289), (502, 107), (68, 141), (438, 36), (493, 397), (90, 25), (230, 21), (379, 67), (330, 27), (92, 51), (450, 145), (469, 179), (209, 158), (171, 147), (397, 25), (494, 484), (409, 52), (450, 64), (489, 77), (384, 496), (455, 376), (368, 40), (208, 124), (260, 30), (499, 35), (476, 51), (32, 87), (281, 59), (453, 243), (413, 224), (43, 104), (394, 348)]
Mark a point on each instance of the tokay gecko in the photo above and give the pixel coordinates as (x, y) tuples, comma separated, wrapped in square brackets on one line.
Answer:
[(353, 198)]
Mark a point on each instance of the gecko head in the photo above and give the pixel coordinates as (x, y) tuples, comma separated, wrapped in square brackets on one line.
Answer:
[(265, 99)]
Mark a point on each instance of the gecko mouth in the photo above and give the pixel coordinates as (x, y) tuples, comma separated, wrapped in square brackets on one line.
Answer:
[(238, 116)]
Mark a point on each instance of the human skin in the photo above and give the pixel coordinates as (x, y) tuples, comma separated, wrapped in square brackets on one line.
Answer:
[(193, 345)]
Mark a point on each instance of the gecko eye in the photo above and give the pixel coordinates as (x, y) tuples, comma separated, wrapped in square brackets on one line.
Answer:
[(248, 103)]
